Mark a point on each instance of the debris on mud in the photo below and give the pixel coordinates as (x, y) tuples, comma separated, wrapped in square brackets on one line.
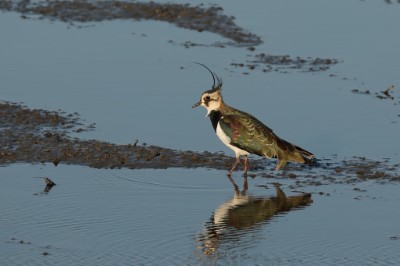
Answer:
[(13, 240), (357, 91), (49, 185), (40, 136), (49, 182), (186, 16), (190, 44), (388, 94)]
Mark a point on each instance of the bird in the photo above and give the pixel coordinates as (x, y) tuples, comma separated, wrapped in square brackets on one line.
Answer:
[(245, 134)]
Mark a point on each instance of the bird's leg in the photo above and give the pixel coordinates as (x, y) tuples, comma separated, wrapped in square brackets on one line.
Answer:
[(281, 163), (246, 165), (245, 185), (234, 165), (233, 183)]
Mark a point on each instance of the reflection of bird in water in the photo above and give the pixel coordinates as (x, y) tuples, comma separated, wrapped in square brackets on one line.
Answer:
[(241, 214), (245, 134)]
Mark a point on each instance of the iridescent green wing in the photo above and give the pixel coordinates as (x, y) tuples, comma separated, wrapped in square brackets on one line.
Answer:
[(249, 134)]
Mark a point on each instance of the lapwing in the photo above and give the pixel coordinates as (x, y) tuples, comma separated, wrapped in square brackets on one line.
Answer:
[(245, 134)]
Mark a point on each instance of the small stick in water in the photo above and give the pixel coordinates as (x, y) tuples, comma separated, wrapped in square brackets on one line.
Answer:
[(49, 182), (388, 90)]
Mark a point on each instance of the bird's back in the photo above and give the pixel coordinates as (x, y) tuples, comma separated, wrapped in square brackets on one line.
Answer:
[(250, 134)]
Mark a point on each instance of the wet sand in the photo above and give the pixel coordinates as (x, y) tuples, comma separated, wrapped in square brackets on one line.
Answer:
[(43, 136)]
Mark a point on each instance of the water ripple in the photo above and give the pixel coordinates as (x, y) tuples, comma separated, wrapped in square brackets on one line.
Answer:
[(92, 217)]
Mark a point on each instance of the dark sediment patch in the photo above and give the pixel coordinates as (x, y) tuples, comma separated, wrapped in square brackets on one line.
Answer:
[(196, 18), (363, 92), (285, 63), (40, 136), (392, 1)]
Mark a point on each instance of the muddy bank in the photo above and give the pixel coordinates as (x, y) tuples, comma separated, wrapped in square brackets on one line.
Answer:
[(197, 18), (41, 136)]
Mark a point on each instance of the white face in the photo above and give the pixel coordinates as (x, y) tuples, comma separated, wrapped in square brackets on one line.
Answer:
[(211, 101)]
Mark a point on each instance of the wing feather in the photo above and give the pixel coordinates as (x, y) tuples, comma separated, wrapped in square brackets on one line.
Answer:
[(249, 134)]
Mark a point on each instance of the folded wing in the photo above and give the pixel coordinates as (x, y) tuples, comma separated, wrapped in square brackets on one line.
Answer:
[(251, 135)]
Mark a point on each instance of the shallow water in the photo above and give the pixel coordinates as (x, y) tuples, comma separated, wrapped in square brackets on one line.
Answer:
[(153, 217), (127, 77)]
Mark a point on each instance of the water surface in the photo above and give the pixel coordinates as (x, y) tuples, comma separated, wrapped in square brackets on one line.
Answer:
[(125, 217)]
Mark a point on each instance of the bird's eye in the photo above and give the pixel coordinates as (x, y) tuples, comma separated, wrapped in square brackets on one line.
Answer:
[(207, 98)]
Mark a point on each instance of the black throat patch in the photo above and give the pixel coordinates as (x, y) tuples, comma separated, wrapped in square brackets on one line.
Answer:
[(215, 116)]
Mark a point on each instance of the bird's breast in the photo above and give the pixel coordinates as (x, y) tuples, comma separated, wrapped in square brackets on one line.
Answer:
[(222, 136), (227, 141), (215, 116)]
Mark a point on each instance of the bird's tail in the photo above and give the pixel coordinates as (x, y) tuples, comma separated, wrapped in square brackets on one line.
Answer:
[(307, 156), (291, 152)]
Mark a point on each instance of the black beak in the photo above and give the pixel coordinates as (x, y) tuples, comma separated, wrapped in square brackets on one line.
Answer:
[(196, 104)]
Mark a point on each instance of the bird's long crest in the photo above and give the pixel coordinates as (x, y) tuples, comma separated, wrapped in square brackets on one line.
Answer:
[(217, 86)]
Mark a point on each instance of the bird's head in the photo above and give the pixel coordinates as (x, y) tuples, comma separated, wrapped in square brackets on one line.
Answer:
[(211, 99)]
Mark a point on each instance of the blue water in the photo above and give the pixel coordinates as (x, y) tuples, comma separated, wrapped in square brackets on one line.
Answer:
[(127, 77)]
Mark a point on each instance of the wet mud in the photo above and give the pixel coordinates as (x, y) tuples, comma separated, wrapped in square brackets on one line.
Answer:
[(198, 18), (285, 63), (42, 136)]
